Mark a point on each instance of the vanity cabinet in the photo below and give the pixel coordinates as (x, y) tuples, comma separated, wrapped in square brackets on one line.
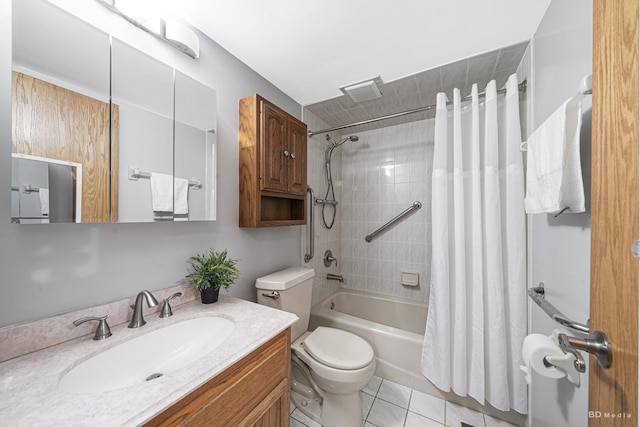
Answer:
[(252, 392), (273, 165)]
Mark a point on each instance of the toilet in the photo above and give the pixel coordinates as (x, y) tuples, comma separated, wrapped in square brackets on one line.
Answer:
[(329, 366)]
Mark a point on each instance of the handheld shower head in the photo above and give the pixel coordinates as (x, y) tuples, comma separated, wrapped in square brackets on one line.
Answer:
[(352, 138), (330, 191)]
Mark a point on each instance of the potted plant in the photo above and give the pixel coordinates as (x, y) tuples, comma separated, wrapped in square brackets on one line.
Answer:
[(212, 271)]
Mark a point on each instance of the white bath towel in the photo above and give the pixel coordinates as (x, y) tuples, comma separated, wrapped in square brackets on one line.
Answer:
[(554, 174), (44, 201), (180, 195), (162, 192)]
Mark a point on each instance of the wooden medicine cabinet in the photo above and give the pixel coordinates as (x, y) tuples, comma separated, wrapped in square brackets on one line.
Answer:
[(273, 165)]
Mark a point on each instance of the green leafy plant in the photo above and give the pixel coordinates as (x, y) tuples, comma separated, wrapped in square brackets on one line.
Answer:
[(213, 270)]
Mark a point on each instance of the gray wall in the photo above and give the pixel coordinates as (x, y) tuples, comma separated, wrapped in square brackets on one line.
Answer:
[(50, 269), (560, 247)]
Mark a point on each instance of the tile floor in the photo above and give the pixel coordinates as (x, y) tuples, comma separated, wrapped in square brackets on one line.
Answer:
[(387, 404)]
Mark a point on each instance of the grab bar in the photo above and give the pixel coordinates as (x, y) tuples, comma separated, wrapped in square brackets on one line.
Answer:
[(308, 256), (537, 295), (414, 207)]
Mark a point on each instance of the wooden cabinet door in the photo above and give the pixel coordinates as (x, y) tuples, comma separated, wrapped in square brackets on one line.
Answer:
[(273, 411), (273, 160), (297, 164)]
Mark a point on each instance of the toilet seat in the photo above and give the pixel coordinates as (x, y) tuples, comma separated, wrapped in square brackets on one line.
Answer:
[(338, 348)]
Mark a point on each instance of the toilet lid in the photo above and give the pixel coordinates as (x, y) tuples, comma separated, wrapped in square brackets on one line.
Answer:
[(338, 349)]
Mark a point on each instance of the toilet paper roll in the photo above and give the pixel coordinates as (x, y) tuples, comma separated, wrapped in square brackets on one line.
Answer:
[(534, 349)]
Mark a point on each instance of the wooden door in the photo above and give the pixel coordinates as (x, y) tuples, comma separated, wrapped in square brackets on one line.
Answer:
[(273, 137), (297, 164), (613, 394)]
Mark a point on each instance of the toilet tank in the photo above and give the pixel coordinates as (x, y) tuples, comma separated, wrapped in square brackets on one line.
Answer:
[(293, 288)]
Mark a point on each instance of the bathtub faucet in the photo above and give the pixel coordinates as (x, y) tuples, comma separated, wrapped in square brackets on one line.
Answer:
[(337, 277)]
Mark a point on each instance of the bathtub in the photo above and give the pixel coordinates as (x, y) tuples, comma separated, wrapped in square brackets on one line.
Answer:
[(393, 326), (395, 329)]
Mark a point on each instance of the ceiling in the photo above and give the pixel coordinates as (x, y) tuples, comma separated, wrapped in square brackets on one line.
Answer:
[(312, 48), (419, 91)]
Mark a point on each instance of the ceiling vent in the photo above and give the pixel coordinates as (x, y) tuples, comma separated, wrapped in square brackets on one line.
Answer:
[(364, 91)]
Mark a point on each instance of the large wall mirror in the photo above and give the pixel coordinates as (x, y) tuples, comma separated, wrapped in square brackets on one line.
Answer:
[(103, 132)]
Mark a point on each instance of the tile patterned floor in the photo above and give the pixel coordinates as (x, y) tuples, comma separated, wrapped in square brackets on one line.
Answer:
[(387, 404)]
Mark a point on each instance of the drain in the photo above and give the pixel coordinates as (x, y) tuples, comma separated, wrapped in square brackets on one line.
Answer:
[(332, 305), (153, 376)]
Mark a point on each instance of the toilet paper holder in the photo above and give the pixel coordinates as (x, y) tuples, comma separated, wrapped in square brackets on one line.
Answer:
[(599, 346), (578, 363)]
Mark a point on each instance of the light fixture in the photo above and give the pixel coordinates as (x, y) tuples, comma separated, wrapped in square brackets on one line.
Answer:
[(148, 16), (182, 37)]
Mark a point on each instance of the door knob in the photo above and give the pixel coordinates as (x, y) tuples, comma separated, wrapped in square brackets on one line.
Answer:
[(598, 345)]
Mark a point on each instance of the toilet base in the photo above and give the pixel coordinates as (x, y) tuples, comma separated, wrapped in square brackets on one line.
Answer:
[(336, 410), (342, 410), (312, 408)]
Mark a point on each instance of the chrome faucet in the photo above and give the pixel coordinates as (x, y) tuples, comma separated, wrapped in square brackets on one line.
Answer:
[(137, 320), (337, 277), (102, 331)]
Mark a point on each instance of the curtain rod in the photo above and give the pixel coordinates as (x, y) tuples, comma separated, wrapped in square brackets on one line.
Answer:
[(522, 87)]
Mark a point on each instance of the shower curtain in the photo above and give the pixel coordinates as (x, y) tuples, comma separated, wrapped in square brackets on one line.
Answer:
[(477, 305)]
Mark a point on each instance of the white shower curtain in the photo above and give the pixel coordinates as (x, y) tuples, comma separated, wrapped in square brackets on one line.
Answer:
[(477, 304)]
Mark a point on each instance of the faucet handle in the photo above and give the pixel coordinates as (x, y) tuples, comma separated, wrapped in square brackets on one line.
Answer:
[(166, 308), (329, 258), (102, 331)]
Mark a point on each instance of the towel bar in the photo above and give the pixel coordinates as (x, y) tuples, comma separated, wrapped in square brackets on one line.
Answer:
[(135, 174)]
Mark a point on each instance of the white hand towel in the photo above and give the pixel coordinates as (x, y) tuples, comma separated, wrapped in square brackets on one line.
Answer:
[(554, 174), (44, 201), (162, 192), (181, 192)]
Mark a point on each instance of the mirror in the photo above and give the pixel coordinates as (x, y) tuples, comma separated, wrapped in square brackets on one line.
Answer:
[(60, 100), (195, 145), (118, 119), (142, 100)]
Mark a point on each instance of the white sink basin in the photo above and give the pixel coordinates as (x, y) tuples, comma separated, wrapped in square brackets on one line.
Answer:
[(143, 358)]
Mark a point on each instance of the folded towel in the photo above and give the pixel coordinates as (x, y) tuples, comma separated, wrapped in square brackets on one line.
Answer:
[(554, 174), (181, 191), (162, 192), (44, 201)]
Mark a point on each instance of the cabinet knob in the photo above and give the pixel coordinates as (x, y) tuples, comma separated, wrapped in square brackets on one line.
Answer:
[(293, 156), (286, 153)]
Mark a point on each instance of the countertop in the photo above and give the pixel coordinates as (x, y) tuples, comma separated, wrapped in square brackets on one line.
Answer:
[(29, 393)]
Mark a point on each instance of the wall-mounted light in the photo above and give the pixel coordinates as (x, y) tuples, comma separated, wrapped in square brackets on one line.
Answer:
[(148, 16), (182, 37)]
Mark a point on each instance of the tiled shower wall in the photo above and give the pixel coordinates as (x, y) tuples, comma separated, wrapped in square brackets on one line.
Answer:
[(382, 175), (324, 238), (377, 178)]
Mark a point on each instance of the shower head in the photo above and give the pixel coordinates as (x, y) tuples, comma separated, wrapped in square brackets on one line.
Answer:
[(352, 138)]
